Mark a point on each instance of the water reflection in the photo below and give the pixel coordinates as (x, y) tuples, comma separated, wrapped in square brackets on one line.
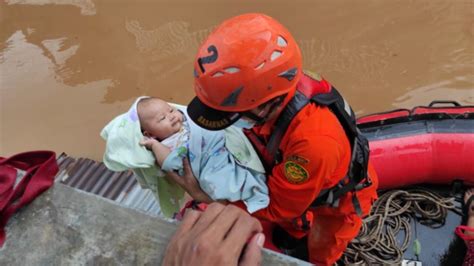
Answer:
[(87, 6), (69, 66), (453, 90), (38, 111)]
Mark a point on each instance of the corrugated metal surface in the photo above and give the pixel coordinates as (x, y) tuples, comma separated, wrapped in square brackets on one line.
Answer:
[(93, 177)]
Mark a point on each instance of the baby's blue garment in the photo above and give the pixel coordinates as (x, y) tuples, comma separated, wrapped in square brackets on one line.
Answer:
[(123, 152), (219, 173)]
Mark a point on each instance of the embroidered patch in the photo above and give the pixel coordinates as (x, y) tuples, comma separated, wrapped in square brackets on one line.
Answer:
[(295, 173), (297, 159), (313, 75)]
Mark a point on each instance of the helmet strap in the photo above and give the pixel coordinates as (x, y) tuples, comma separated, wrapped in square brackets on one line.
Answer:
[(260, 120)]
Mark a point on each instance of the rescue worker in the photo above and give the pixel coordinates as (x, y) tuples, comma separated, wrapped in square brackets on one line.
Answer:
[(249, 73)]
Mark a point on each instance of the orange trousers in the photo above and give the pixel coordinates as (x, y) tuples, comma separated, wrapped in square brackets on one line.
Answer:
[(334, 228)]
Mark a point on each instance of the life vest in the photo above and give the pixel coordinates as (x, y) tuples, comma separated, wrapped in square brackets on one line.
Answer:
[(314, 91)]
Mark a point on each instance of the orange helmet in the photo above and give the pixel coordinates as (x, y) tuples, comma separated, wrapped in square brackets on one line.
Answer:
[(246, 61)]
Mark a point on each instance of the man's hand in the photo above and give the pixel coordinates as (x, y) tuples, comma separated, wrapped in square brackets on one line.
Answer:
[(189, 183), (216, 237)]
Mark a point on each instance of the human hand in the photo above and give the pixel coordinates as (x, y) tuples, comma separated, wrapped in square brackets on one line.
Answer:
[(189, 183), (216, 236), (149, 142), (159, 149)]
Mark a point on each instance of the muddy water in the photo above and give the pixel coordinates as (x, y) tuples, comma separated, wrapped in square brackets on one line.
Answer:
[(69, 66)]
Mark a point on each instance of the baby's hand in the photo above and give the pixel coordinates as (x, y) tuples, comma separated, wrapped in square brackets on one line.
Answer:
[(149, 142), (159, 150)]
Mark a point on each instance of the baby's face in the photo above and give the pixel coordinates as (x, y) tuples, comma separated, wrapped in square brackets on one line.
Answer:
[(158, 119)]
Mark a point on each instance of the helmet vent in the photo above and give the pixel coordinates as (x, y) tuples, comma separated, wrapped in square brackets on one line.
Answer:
[(282, 42), (232, 70), (217, 74), (260, 66), (275, 55)]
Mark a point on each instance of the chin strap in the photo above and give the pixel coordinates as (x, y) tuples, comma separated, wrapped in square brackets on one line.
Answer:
[(261, 120)]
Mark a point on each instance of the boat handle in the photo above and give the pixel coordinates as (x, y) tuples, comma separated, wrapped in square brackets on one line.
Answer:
[(444, 102)]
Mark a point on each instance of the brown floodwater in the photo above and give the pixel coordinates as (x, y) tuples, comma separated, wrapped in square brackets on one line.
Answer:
[(67, 67)]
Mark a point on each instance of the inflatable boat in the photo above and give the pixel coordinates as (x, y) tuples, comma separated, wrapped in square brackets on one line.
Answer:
[(431, 144), (430, 147)]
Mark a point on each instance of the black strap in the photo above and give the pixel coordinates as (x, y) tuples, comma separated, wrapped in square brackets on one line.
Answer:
[(353, 181), (296, 104), (344, 113), (333, 100), (304, 220), (357, 171)]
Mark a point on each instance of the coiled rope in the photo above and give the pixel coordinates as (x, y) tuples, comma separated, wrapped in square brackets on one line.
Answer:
[(391, 214)]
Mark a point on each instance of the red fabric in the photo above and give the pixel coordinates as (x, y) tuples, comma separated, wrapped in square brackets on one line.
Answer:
[(469, 240), (469, 258), (40, 168), (460, 231), (268, 232), (311, 87), (191, 204)]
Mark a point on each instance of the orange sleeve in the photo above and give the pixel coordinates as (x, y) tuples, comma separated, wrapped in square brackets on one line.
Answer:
[(319, 156)]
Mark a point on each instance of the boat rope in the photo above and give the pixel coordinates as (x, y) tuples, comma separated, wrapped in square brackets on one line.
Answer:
[(391, 214)]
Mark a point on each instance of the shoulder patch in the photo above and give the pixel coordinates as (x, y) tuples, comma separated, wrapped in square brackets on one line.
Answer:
[(295, 173), (313, 75), (297, 159)]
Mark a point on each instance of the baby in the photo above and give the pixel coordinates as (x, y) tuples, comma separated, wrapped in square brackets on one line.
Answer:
[(224, 162), (159, 121)]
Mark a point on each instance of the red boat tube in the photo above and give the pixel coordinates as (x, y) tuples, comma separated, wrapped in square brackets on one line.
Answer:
[(429, 144)]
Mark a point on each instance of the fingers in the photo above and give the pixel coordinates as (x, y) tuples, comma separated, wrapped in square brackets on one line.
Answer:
[(186, 179), (227, 228), (187, 167), (207, 218), (189, 183), (174, 177), (190, 218), (244, 227), (224, 222), (253, 252), (208, 238), (147, 142), (177, 245), (188, 176)]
